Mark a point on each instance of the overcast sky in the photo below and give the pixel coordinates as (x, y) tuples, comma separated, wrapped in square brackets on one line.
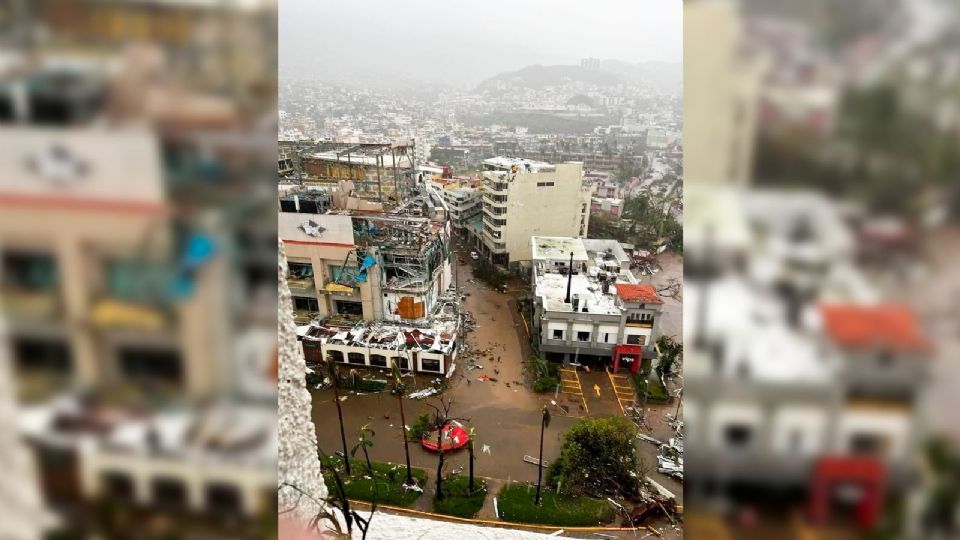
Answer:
[(466, 41)]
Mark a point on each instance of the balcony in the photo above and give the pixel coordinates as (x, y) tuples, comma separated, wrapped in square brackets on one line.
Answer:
[(496, 187), (302, 285), (496, 200), (27, 304)]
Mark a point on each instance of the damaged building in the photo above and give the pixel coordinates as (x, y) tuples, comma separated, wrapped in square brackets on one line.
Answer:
[(378, 171), (353, 263), (428, 347)]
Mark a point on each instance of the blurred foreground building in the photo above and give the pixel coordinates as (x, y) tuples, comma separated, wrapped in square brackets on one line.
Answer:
[(801, 384), (135, 282)]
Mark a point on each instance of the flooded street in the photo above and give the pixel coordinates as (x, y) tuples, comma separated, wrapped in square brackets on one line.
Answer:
[(503, 410)]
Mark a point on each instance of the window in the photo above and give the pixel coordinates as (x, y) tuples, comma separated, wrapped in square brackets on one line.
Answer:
[(335, 356), (558, 334), (867, 444), (349, 308), (544, 184), (117, 486), (300, 270), (737, 436), (34, 355), (378, 360), (636, 339), (606, 338), (305, 303), (642, 318), (356, 358), (223, 500), (795, 441), (583, 336), (29, 271), (169, 494), (430, 364), (402, 361), (145, 366)]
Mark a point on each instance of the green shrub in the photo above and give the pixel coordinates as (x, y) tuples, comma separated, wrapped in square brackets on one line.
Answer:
[(457, 500), (597, 458), (369, 385), (546, 374), (385, 485), (314, 378), (657, 391), (515, 503), (546, 384), (422, 425)]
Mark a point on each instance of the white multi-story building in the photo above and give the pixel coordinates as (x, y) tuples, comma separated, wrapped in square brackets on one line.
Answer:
[(589, 306), (464, 206), (524, 198)]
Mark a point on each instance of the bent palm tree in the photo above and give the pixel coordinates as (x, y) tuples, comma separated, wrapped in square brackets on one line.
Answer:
[(364, 441)]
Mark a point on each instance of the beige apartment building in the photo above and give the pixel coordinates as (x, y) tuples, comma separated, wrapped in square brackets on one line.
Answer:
[(524, 198), (86, 261), (719, 95)]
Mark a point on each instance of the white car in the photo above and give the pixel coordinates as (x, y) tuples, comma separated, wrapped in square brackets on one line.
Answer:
[(474, 255)]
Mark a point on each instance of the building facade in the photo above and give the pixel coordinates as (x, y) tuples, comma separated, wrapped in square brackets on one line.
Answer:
[(522, 199), (589, 307)]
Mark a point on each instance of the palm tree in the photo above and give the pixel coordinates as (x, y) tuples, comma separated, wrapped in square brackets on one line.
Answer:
[(364, 441), (399, 388), (544, 422), (336, 399)]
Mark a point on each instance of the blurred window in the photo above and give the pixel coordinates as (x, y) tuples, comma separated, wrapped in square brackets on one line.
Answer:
[(558, 334), (378, 360), (169, 494), (430, 364), (869, 444), (117, 486), (356, 358), (223, 500), (28, 271), (738, 436), (144, 365), (335, 356), (42, 355)]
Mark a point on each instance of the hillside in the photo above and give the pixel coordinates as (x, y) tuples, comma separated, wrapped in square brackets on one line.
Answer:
[(539, 76)]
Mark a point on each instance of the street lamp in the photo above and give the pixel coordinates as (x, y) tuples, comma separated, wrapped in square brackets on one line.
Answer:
[(643, 406)]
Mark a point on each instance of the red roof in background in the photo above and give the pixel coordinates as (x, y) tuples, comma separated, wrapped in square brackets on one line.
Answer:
[(643, 292), (883, 326)]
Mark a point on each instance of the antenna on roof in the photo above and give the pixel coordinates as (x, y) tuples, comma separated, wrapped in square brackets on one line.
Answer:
[(569, 277)]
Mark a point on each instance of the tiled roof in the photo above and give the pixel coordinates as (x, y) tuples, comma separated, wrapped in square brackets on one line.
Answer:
[(641, 292), (881, 326)]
